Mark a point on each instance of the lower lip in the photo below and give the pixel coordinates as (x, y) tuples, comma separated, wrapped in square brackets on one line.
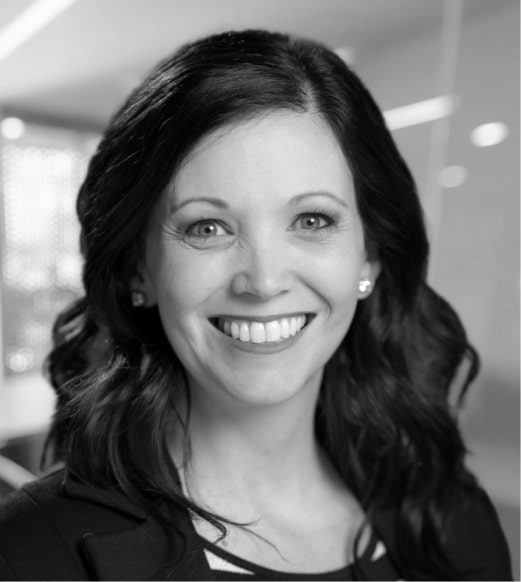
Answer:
[(261, 348)]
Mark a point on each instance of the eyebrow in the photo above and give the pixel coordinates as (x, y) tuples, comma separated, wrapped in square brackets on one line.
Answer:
[(215, 201), (294, 201)]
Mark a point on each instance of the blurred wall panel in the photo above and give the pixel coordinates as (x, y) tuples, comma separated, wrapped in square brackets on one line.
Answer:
[(476, 256)]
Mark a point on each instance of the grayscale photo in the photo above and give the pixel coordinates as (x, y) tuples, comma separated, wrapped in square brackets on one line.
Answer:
[(259, 290)]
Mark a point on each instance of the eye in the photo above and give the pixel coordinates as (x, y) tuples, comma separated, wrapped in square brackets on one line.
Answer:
[(206, 229), (313, 221)]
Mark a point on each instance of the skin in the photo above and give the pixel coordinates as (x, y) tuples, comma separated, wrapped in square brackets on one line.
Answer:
[(282, 235)]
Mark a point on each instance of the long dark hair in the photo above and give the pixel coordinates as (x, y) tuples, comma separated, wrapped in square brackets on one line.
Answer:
[(383, 415)]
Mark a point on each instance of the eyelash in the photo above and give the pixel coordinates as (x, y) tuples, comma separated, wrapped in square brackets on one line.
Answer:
[(203, 221), (324, 214), (318, 213)]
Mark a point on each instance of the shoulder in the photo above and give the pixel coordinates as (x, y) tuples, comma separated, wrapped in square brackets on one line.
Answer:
[(28, 536), (57, 528), (42, 529), (474, 539), (58, 505), (21, 510)]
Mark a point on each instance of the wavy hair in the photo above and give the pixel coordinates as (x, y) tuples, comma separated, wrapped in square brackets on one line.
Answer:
[(383, 414)]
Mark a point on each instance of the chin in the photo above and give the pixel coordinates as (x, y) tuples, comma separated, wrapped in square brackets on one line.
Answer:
[(265, 388), (260, 395)]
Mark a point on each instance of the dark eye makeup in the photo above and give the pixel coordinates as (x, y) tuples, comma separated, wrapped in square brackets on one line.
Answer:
[(203, 231)]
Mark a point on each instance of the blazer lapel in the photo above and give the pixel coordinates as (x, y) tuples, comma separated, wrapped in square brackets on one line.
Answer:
[(147, 551)]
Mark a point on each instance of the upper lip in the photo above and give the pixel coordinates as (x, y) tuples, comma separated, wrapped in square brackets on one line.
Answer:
[(262, 318)]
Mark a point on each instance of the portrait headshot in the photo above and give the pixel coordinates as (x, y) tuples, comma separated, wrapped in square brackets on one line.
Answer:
[(260, 290)]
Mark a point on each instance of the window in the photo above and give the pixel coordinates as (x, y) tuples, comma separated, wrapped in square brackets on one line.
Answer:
[(41, 172)]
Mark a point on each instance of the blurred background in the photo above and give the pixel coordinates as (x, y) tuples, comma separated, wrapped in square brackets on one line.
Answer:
[(446, 73)]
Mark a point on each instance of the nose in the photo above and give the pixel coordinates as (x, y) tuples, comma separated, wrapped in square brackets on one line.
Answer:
[(265, 271)]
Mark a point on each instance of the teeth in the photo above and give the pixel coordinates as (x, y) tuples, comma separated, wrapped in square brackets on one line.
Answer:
[(244, 332), (272, 331), (258, 333), (284, 328), (227, 328)]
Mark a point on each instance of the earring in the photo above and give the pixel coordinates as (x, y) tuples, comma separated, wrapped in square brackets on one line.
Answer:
[(137, 298), (365, 286)]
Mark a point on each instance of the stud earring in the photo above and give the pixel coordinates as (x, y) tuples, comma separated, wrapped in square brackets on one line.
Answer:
[(365, 286), (137, 298)]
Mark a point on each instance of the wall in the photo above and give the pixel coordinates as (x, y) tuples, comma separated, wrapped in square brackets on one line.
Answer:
[(476, 257)]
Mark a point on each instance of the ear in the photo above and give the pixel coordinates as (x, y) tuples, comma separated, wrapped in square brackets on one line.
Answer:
[(368, 276), (142, 281)]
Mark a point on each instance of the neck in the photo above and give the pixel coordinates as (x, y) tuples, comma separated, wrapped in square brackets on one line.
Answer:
[(249, 452)]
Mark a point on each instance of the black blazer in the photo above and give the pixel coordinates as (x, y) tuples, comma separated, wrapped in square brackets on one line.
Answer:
[(58, 529)]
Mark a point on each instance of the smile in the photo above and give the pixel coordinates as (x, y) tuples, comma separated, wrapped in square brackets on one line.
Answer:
[(259, 332)]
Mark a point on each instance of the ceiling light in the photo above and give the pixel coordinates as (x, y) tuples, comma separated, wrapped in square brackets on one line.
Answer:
[(489, 134), (12, 127), (453, 176), (28, 23), (420, 112)]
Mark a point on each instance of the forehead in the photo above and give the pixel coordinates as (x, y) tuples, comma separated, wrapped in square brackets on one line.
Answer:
[(287, 151)]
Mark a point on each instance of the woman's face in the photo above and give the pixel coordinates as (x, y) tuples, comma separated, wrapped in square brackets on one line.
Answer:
[(254, 258)]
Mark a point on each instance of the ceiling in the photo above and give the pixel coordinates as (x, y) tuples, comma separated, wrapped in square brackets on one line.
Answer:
[(84, 62)]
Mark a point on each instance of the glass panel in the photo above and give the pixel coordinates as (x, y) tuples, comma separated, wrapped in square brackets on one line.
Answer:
[(41, 269)]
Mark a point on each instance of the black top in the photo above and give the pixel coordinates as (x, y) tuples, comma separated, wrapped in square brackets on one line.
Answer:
[(227, 566), (59, 529)]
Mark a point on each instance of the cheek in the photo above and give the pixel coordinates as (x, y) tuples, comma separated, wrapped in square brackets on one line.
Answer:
[(337, 275), (185, 282)]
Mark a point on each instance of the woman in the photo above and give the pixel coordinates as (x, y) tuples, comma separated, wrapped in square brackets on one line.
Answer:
[(255, 383)]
